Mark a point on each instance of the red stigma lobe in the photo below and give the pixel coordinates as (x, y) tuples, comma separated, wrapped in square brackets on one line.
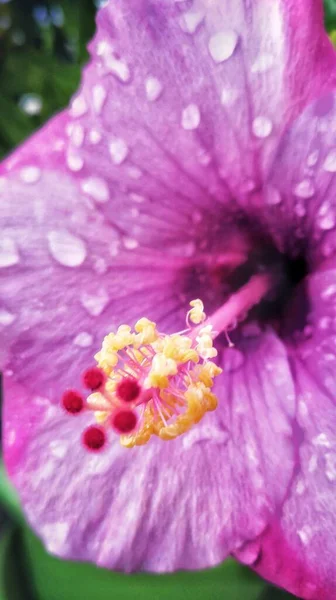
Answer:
[(72, 402), (124, 421), (94, 378), (128, 389), (94, 438)]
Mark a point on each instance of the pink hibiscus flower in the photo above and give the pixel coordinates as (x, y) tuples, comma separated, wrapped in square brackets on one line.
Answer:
[(196, 161)]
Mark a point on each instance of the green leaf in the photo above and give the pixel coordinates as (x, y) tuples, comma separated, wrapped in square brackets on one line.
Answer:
[(13, 582), (54, 579), (8, 498), (330, 14)]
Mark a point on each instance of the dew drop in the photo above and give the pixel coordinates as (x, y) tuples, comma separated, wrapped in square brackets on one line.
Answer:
[(134, 172), (272, 196), (77, 135), (233, 360), (83, 339), (138, 198), (130, 243), (329, 292), (30, 174), (262, 63), (74, 161), (97, 188), (99, 96), (304, 189), (153, 88), (327, 222), (330, 162), (191, 117), (9, 255), (31, 104), (78, 106), (66, 249), (330, 458), (262, 127), (118, 150), (222, 45), (6, 317), (95, 136), (305, 534), (95, 303), (229, 96), (204, 433), (191, 21), (312, 158), (118, 67)]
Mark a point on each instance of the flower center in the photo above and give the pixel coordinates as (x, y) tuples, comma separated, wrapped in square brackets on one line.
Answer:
[(151, 383)]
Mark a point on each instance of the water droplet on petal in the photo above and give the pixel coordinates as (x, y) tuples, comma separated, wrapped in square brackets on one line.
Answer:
[(83, 339), (118, 150), (130, 243), (272, 196), (191, 20), (326, 216), (329, 292), (233, 359), (99, 96), (330, 162), (229, 96), (305, 534), (30, 174), (313, 158), (77, 135), (97, 188), (330, 458), (118, 67), (95, 136), (222, 45), (78, 106), (262, 127), (153, 88), (95, 303), (262, 63), (205, 433), (304, 189), (67, 249), (74, 161), (9, 255), (191, 117), (6, 317)]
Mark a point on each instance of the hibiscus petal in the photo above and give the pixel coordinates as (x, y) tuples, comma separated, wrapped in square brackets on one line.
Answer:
[(298, 550), (166, 506)]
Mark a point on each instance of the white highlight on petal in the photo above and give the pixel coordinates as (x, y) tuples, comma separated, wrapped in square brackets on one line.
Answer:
[(95, 136), (9, 255), (118, 150), (97, 188), (330, 162), (99, 96), (118, 67), (77, 135), (305, 534), (222, 45), (191, 117), (262, 127), (30, 174), (130, 243), (153, 88), (66, 248)]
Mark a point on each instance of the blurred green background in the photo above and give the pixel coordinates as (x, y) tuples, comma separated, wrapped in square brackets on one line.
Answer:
[(42, 51)]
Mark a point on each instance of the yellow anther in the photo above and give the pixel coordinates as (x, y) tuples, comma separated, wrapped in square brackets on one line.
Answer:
[(162, 368), (207, 372), (121, 339), (146, 330), (101, 417), (205, 344), (196, 314)]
